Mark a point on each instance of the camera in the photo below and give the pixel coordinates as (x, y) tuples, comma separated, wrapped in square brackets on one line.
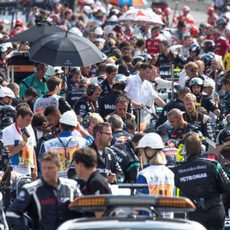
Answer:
[(25, 132)]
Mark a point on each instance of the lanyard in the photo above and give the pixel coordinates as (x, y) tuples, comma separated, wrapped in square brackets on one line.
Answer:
[(65, 147), (18, 130)]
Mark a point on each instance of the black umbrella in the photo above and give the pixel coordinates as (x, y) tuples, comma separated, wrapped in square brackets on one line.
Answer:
[(65, 49), (36, 32)]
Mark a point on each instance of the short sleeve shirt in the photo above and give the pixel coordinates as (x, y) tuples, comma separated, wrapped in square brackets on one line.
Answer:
[(140, 91), (22, 161)]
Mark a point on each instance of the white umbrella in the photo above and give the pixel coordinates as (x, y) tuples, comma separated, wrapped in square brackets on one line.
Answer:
[(141, 16)]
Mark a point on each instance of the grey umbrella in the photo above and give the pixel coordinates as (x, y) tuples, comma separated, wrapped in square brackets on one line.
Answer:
[(65, 49), (36, 32)]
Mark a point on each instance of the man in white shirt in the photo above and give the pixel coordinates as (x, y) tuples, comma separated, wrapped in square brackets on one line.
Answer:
[(20, 140), (140, 91)]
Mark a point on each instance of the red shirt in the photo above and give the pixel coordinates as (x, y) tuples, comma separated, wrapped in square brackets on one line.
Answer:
[(152, 45), (212, 19), (16, 30), (222, 46)]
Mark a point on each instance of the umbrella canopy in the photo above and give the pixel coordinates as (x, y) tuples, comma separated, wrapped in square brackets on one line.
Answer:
[(129, 2), (36, 32), (141, 16), (65, 49)]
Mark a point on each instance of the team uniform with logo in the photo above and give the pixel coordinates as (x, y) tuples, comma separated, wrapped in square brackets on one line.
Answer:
[(202, 181), (45, 204), (84, 106), (43, 102), (65, 145)]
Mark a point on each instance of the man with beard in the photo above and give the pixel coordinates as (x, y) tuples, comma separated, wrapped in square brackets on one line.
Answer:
[(195, 117)]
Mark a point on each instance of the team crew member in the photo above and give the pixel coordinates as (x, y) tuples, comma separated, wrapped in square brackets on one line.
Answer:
[(202, 181), (108, 101), (106, 158), (52, 98), (119, 134), (166, 59), (193, 116), (75, 89), (156, 175), (127, 156), (178, 103), (45, 199), (225, 101), (225, 153), (65, 144), (90, 120), (107, 84), (85, 161), (88, 102), (196, 85), (121, 109), (224, 134), (179, 126)]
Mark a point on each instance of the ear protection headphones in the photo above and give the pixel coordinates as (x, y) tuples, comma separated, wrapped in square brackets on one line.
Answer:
[(86, 121), (91, 89)]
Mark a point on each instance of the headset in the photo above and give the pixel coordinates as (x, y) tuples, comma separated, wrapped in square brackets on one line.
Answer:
[(91, 89), (86, 121)]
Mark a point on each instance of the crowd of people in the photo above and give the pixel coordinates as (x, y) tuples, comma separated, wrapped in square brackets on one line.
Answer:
[(155, 111)]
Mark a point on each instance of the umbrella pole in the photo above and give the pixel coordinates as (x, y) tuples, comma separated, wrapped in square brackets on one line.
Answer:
[(14, 14), (12, 21), (172, 77), (16, 8), (174, 13)]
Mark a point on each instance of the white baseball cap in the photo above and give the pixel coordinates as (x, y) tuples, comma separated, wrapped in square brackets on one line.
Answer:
[(53, 70), (6, 92)]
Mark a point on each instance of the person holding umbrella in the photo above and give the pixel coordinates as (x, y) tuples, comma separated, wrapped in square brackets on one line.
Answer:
[(36, 80)]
